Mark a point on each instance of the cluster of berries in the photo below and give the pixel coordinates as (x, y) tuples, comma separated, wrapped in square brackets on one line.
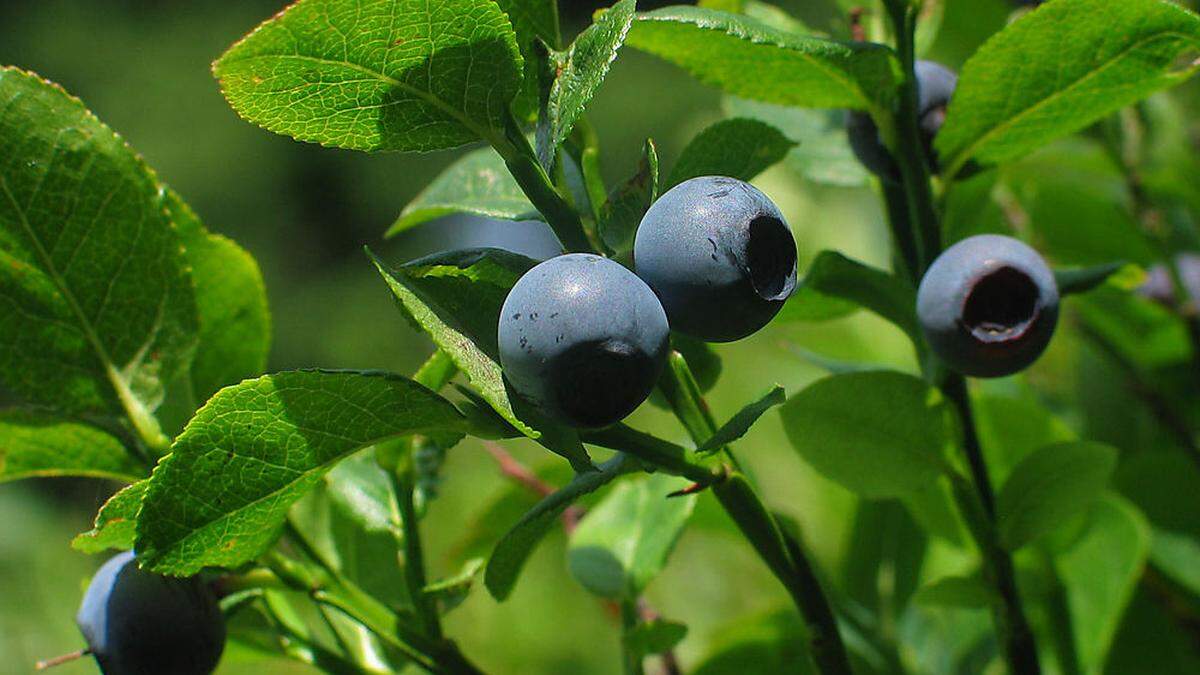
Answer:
[(585, 340)]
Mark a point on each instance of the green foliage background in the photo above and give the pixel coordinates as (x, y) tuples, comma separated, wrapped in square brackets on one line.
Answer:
[(304, 211)]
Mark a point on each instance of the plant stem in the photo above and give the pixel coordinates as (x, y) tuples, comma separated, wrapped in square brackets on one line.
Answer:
[(414, 556), (522, 163), (789, 563), (791, 567), (955, 388), (977, 503), (906, 141), (631, 660), (654, 451), (896, 202)]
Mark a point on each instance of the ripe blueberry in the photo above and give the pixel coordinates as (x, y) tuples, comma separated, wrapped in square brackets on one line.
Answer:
[(935, 86), (583, 339), (140, 623), (1160, 287), (988, 306), (719, 255)]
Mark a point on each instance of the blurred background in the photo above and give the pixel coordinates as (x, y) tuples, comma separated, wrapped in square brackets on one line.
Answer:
[(305, 212)]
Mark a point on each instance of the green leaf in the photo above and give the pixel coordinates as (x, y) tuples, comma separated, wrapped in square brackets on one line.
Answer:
[(450, 593), (956, 592), (1057, 70), (934, 508), (822, 150), (235, 324), (42, 444), (115, 523), (377, 74), (750, 59), (884, 554), (221, 495), (878, 434), (532, 21), (1049, 488), (581, 70), (1082, 280), (351, 519), (478, 183), (740, 423), (457, 301), (1100, 574), (739, 148), (456, 298), (90, 267), (833, 274), (1012, 427), (655, 637), (483, 529), (829, 364), (623, 542), (774, 643), (628, 202), (506, 560), (1164, 486), (1076, 199)]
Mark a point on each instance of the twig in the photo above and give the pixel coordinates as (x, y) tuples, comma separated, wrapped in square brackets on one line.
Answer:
[(512, 468), (59, 660)]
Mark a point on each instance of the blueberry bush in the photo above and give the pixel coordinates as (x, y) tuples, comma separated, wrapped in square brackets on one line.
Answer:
[(1047, 193)]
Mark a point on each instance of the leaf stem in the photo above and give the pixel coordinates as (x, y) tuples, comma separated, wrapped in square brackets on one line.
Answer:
[(522, 163), (977, 503)]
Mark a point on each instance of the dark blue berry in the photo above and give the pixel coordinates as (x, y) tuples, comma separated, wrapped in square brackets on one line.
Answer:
[(988, 306), (720, 256), (139, 623), (583, 339), (935, 86)]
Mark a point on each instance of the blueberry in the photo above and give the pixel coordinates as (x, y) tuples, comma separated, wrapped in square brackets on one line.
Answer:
[(935, 86), (140, 623), (1161, 288), (583, 339), (719, 255), (988, 306)]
